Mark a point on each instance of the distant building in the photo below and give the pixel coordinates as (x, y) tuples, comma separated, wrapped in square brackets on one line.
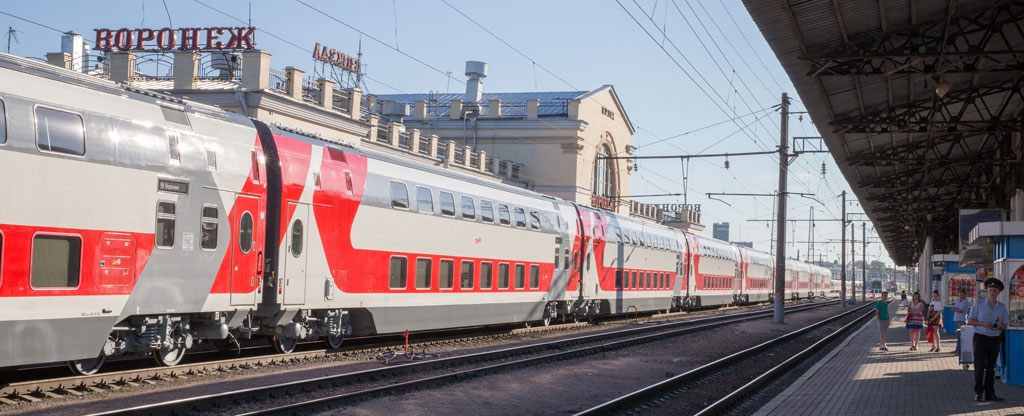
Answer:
[(721, 231), (748, 244)]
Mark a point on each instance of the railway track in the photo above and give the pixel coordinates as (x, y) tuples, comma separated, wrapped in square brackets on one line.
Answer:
[(42, 387), (482, 363), (652, 397)]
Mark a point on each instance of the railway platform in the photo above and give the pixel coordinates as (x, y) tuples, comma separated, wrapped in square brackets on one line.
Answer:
[(856, 378)]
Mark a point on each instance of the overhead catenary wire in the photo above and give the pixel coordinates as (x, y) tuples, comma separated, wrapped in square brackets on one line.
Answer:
[(521, 53)]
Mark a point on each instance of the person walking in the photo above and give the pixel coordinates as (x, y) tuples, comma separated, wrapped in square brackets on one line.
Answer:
[(934, 321), (882, 317), (915, 319), (989, 319), (903, 300), (960, 310)]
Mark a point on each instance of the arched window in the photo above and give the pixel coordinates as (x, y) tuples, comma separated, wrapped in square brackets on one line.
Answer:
[(604, 174)]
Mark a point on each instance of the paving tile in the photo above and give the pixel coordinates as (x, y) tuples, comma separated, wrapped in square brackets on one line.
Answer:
[(856, 378)]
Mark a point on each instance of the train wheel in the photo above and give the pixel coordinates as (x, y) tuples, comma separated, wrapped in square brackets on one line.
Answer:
[(546, 321), (87, 367), (285, 345), (334, 341), (169, 358)]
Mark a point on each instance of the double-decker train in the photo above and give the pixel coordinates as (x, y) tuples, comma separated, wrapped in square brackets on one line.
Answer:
[(135, 223)]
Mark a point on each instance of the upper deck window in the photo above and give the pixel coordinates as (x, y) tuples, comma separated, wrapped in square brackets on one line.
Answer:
[(60, 131), (520, 218), (3, 123), (399, 195), (424, 200), (468, 208), (447, 204), (486, 211)]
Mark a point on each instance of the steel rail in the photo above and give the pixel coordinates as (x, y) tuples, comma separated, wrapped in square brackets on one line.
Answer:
[(43, 388), (196, 404), (739, 394), (659, 389)]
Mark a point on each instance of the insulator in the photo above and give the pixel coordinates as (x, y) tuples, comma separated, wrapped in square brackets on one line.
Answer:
[(727, 164), (822, 168), (800, 117)]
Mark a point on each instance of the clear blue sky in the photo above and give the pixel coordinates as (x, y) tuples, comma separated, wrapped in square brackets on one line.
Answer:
[(586, 43)]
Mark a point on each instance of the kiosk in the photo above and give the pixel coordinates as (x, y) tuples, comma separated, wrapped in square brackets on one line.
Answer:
[(951, 279), (1007, 242)]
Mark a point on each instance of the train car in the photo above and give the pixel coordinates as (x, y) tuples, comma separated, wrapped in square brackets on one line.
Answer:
[(640, 265), (758, 273), (116, 229), (803, 279), (716, 276), (827, 281)]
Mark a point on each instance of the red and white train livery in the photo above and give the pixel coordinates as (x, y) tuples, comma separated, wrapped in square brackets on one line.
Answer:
[(135, 223)]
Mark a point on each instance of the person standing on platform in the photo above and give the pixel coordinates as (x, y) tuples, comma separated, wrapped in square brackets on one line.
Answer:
[(903, 300), (915, 319), (882, 315), (960, 310), (934, 321), (989, 318)]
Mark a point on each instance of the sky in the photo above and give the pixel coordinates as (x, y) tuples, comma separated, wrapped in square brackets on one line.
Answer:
[(694, 76)]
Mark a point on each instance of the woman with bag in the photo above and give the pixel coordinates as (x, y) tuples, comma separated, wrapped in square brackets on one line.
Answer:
[(915, 319), (934, 321)]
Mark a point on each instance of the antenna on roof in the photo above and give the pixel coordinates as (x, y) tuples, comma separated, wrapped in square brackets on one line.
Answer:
[(11, 34), (359, 58)]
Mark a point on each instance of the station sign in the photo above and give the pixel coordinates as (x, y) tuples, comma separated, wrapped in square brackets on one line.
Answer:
[(336, 58), (679, 207), (182, 39)]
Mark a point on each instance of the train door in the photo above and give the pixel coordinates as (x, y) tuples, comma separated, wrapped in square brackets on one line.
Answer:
[(246, 255), (295, 256)]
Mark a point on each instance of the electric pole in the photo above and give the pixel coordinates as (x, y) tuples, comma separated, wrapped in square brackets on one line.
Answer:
[(842, 285), (780, 253), (853, 261), (864, 260)]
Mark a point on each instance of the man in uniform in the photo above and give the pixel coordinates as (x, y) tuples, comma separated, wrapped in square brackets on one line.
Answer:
[(989, 319)]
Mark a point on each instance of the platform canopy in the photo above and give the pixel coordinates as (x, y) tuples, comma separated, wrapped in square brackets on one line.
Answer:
[(919, 102)]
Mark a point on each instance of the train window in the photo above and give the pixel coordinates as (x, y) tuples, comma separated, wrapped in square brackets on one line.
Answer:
[(172, 146), (664, 281), (297, 238), (399, 195), (3, 123), (245, 226), (255, 168), (467, 275), (503, 215), (1, 257), (208, 228), (618, 279), (165, 218), (211, 160), (396, 279), (56, 261), (486, 273), (348, 181), (423, 269), (59, 131), (632, 284), (446, 274), (535, 220), (520, 276), (566, 259), (534, 277), (648, 280), (468, 208), (575, 260), (424, 200), (520, 217), (447, 204), (486, 211), (557, 258), (502, 275)]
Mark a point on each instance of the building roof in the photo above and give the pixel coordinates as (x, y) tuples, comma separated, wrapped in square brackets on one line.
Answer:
[(869, 73), (552, 103)]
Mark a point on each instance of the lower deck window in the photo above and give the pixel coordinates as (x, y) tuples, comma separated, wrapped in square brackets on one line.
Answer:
[(446, 274), (618, 279), (467, 275), (632, 283), (423, 271), (534, 277), (56, 261), (486, 273), (520, 276), (398, 270), (503, 276)]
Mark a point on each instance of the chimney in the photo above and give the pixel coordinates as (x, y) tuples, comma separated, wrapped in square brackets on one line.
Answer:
[(71, 43), (476, 71)]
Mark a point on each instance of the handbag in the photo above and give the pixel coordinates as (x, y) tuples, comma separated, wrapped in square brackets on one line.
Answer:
[(930, 334)]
